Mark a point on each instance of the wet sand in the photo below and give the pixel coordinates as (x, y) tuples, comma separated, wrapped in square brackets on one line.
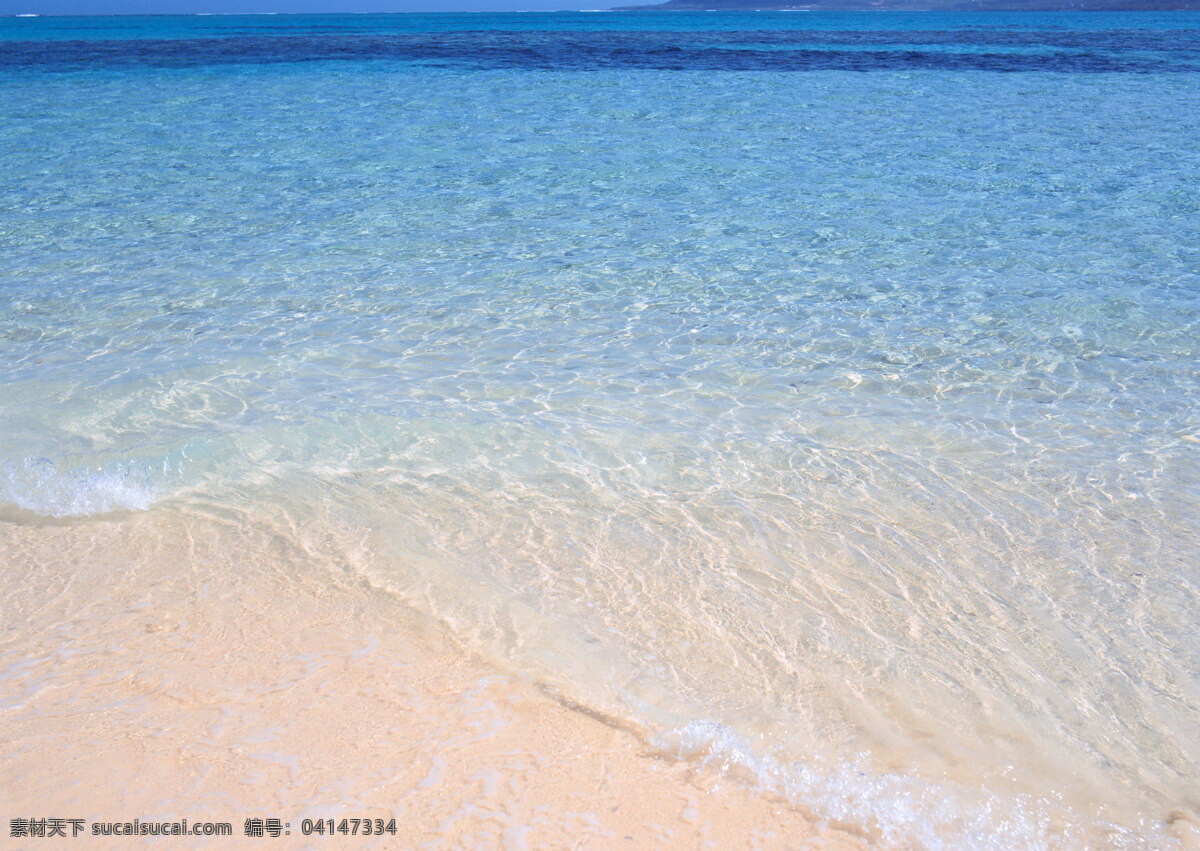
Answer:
[(160, 667)]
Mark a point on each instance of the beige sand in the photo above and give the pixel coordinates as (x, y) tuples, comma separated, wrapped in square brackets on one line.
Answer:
[(160, 667)]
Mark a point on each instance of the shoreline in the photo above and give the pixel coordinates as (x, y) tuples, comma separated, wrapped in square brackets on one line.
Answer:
[(148, 673)]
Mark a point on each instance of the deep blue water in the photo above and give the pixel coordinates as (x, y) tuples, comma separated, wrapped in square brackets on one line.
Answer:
[(1127, 43)]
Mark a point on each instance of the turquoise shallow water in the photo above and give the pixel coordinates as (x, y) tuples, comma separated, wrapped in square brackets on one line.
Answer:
[(831, 415)]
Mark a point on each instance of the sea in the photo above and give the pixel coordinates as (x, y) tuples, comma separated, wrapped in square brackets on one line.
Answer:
[(815, 395)]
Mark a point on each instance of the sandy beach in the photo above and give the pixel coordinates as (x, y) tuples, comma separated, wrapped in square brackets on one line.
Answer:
[(174, 671)]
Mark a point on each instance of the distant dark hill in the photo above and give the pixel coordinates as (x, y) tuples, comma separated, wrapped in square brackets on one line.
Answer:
[(919, 5)]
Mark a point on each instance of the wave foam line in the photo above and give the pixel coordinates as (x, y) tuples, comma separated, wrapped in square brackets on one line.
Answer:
[(899, 810), (38, 485)]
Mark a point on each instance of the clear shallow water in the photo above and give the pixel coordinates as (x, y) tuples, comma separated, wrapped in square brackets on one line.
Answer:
[(818, 395)]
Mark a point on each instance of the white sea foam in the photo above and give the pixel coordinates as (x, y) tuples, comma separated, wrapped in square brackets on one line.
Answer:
[(900, 810), (41, 486)]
